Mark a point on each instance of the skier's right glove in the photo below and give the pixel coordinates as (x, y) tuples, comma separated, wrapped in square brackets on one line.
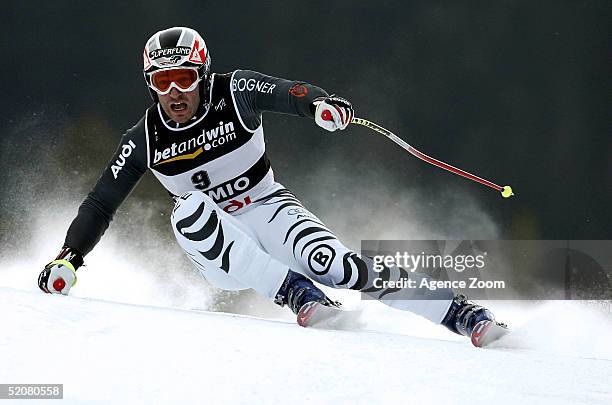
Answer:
[(60, 275)]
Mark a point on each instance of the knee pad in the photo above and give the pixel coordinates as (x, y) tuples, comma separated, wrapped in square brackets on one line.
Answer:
[(219, 245), (194, 222), (197, 226)]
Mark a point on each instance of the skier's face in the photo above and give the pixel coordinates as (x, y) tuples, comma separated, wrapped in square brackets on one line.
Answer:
[(180, 106)]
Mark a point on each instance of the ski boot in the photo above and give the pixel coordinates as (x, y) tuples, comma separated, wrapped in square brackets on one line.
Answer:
[(474, 321), (303, 297)]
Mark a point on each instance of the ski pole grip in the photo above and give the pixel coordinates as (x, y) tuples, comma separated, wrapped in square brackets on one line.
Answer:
[(59, 284)]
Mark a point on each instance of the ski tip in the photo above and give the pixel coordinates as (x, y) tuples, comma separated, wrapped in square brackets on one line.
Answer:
[(306, 313), (486, 332)]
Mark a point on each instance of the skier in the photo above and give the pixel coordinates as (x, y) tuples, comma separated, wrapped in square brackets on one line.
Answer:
[(203, 139)]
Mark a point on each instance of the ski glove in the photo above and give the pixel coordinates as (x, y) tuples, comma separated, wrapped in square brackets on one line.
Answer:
[(60, 275), (332, 113), (57, 277)]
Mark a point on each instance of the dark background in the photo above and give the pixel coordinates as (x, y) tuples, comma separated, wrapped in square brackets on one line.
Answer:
[(515, 92)]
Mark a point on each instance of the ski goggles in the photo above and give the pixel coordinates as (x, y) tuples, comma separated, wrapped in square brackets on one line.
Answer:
[(182, 79)]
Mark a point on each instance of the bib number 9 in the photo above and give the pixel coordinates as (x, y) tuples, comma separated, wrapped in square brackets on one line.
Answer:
[(200, 180)]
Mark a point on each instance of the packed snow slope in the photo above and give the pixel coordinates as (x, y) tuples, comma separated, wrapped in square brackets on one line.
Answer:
[(106, 352)]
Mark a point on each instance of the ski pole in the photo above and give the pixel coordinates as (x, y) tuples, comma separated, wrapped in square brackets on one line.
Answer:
[(506, 191)]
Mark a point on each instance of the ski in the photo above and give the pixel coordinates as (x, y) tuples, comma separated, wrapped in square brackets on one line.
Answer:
[(316, 315), (486, 332)]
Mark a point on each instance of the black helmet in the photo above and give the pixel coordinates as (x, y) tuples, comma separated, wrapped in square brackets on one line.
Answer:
[(177, 47)]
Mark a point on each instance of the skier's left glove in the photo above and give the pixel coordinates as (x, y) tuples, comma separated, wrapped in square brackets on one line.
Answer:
[(332, 113)]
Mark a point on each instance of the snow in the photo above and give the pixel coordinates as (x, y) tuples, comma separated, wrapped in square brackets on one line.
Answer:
[(109, 352)]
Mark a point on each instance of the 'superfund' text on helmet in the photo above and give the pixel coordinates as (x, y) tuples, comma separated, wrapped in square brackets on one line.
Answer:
[(176, 47)]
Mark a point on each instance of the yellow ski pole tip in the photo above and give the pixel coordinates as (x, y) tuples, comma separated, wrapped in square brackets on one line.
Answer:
[(507, 192)]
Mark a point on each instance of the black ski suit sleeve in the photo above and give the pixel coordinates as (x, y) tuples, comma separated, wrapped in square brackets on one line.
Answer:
[(256, 93), (123, 172)]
